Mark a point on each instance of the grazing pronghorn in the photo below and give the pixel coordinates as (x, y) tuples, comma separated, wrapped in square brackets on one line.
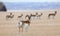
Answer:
[(24, 23), (20, 16), (52, 14), (39, 15), (9, 16), (33, 15), (36, 15)]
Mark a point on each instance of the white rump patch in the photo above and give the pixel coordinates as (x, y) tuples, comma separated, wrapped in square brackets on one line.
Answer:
[(19, 25)]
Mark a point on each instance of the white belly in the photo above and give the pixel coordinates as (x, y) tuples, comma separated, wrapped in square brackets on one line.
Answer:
[(26, 26)]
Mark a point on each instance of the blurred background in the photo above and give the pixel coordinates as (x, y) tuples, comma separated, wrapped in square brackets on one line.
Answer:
[(31, 4)]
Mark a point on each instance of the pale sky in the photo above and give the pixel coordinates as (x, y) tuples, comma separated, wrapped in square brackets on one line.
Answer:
[(30, 0)]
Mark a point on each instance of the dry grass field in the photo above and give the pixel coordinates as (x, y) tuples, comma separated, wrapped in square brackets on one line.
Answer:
[(38, 27)]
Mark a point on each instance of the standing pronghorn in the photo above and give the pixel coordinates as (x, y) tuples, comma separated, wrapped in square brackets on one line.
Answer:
[(20, 22), (24, 23), (52, 14), (9, 16)]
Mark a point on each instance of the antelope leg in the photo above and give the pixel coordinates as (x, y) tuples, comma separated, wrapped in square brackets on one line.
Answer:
[(19, 25)]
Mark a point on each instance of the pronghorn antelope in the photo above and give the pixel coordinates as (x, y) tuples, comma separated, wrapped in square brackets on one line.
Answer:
[(20, 21), (24, 23), (36, 15), (20, 16), (52, 14), (32, 15), (9, 16), (39, 15)]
